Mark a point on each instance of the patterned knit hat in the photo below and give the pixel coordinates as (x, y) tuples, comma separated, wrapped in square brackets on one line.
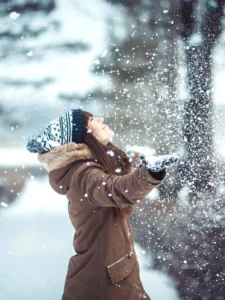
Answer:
[(65, 129)]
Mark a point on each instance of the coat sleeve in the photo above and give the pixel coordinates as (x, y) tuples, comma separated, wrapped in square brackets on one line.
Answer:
[(105, 190)]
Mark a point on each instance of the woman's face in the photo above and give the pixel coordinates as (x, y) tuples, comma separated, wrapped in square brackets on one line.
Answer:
[(100, 130)]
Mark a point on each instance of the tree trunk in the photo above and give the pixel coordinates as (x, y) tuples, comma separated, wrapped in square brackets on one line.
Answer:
[(198, 132)]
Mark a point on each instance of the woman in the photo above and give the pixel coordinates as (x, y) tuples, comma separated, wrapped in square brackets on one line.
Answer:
[(102, 185)]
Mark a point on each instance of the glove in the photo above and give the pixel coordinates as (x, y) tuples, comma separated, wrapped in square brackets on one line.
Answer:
[(159, 163)]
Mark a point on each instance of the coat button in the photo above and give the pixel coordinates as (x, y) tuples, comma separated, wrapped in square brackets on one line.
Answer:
[(130, 254)]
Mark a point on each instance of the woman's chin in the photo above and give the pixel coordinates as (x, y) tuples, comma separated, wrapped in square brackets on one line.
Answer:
[(111, 133)]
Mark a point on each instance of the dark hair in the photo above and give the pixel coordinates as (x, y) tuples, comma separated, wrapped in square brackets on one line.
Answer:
[(109, 163), (101, 152)]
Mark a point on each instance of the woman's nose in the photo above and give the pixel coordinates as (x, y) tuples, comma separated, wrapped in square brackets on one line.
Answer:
[(101, 119)]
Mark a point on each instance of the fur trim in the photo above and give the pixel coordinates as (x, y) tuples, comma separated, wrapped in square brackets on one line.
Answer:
[(64, 155)]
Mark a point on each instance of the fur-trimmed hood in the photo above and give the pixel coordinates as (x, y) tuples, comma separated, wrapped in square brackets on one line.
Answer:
[(59, 164), (64, 155)]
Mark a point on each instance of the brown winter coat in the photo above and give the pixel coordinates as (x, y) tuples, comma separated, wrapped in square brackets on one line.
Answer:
[(105, 266)]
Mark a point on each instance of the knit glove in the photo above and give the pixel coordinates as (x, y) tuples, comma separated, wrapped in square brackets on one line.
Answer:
[(159, 163)]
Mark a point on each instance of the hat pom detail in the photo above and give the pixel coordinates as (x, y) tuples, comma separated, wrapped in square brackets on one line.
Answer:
[(34, 144)]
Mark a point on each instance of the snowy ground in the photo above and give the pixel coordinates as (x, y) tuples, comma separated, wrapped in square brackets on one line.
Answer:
[(36, 244)]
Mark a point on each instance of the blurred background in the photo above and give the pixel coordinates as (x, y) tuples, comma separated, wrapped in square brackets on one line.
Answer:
[(155, 70)]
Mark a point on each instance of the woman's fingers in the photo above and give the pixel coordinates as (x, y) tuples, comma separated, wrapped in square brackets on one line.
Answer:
[(160, 162), (144, 161), (169, 161)]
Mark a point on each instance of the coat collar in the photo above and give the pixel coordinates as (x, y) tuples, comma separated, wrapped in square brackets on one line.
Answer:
[(64, 155)]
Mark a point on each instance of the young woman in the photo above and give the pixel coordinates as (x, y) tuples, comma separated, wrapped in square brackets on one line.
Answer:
[(102, 185)]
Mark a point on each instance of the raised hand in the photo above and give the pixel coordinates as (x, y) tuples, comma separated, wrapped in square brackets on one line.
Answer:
[(159, 163)]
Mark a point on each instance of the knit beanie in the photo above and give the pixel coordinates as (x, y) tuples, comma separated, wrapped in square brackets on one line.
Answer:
[(60, 131)]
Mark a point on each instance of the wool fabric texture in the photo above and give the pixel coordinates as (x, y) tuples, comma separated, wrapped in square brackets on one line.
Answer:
[(60, 131)]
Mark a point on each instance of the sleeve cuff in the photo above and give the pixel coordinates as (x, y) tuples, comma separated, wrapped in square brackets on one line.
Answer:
[(158, 175)]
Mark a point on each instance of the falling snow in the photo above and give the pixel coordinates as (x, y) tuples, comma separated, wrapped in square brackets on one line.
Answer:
[(146, 68)]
